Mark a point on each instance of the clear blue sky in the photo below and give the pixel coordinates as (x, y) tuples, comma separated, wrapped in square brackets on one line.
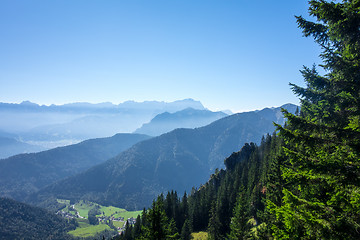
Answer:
[(228, 54)]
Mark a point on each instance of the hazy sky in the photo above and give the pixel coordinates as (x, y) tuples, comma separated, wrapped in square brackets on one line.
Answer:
[(228, 54)]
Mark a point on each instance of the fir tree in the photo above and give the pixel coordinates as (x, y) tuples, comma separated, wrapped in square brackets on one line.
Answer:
[(214, 224), (137, 227), (185, 231), (322, 177), (239, 219), (128, 231)]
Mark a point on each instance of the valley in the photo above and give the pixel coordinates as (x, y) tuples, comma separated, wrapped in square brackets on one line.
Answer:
[(106, 218)]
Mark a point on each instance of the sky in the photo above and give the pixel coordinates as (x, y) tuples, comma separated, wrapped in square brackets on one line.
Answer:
[(229, 54)]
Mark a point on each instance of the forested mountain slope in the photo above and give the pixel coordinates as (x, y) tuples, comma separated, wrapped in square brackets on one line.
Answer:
[(21, 221), (237, 194), (23, 174), (177, 160)]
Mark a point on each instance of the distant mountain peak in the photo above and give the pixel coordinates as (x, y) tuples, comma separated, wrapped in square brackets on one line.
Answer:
[(187, 100), (227, 111), (185, 118), (90, 105), (28, 103)]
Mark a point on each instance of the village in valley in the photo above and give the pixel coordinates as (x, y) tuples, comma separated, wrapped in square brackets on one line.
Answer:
[(92, 218)]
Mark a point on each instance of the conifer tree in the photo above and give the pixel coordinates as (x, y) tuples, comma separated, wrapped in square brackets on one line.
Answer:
[(214, 224), (185, 231), (157, 220), (172, 231), (322, 177), (158, 226), (238, 221), (137, 227), (184, 209), (128, 231)]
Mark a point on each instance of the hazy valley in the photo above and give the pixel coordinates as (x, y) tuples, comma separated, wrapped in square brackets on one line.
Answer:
[(28, 127)]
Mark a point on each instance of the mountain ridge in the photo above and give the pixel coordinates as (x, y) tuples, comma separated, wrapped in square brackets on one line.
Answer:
[(177, 160), (189, 102), (186, 118)]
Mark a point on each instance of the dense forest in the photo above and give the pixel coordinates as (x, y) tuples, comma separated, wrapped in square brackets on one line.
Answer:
[(237, 194), (303, 183), (22, 221)]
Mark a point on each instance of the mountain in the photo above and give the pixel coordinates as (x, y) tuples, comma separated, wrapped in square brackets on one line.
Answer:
[(27, 173), (163, 106), (10, 147), (21, 221), (187, 118), (275, 114), (176, 160), (58, 125)]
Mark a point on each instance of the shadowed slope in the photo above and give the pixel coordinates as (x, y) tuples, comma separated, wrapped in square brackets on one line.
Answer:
[(26, 173)]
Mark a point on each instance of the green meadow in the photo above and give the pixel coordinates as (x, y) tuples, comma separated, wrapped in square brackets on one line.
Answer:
[(87, 230), (83, 207), (200, 236)]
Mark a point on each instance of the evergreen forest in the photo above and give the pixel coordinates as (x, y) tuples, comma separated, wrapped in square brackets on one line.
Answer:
[(302, 182)]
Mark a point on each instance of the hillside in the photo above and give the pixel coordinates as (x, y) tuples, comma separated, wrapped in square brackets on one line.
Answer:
[(176, 160), (23, 174), (21, 221), (187, 118), (210, 208)]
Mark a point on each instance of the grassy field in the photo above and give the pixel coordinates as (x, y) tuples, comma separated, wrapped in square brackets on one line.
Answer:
[(118, 224), (128, 214), (83, 207), (109, 211), (200, 236), (86, 230), (83, 223), (64, 201)]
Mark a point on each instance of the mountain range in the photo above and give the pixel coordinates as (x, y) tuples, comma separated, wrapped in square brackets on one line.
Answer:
[(60, 125), (177, 160)]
